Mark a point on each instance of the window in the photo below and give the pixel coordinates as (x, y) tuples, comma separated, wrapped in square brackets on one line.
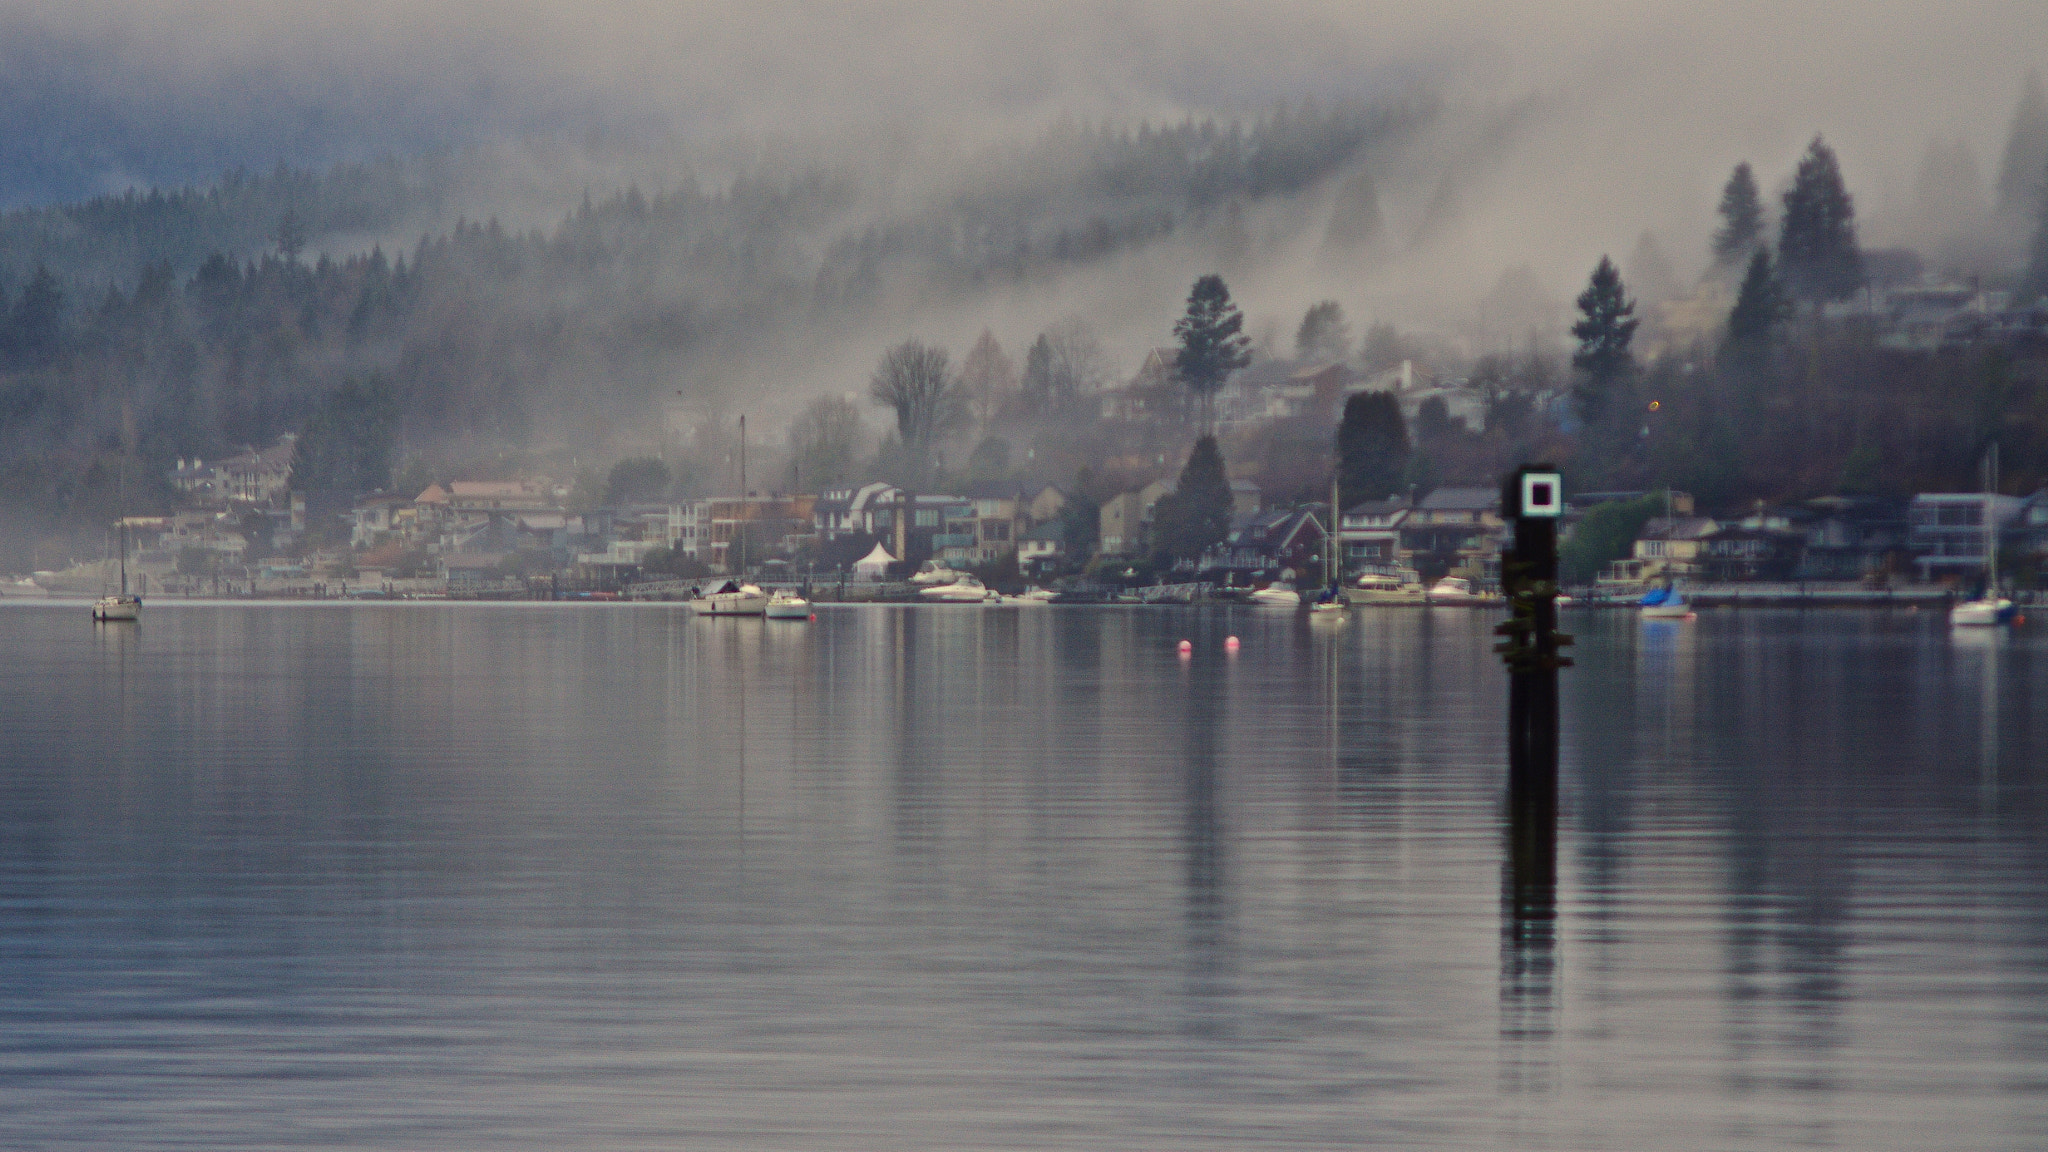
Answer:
[(926, 518), (995, 529)]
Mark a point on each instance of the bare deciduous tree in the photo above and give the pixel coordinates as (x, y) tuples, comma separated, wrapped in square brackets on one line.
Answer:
[(825, 443), (987, 379), (914, 380)]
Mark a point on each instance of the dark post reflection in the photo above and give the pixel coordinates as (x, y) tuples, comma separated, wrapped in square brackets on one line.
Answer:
[(1528, 938), (1202, 836)]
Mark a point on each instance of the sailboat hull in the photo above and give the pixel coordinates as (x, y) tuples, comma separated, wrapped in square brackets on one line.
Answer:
[(117, 609), (1981, 613)]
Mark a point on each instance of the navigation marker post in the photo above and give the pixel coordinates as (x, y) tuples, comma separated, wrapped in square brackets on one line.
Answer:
[(1532, 499)]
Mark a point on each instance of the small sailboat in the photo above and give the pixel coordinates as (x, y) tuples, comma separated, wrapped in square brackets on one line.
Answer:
[(1666, 603), (785, 605), (1330, 603), (1987, 609), (119, 607)]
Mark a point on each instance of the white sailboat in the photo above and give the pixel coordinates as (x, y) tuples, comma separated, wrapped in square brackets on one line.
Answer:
[(1330, 603), (787, 606), (1990, 608), (118, 607), (731, 598)]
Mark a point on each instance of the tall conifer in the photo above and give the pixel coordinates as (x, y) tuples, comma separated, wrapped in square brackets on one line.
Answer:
[(1608, 325), (1817, 251), (1742, 218)]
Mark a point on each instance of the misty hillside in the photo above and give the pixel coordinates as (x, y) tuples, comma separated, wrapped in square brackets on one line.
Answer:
[(204, 312)]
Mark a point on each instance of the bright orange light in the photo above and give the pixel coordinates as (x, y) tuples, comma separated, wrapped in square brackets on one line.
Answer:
[(1654, 405)]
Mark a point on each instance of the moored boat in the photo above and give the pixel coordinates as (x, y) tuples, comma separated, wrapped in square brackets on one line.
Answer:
[(936, 573), (1279, 594), (1456, 590), (1667, 603), (1386, 588), (787, 606), (730, 598), (965, 590)]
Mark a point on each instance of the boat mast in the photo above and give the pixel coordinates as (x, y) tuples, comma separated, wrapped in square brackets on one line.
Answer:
[(740, 522), (1991, 522), (1330, 538)]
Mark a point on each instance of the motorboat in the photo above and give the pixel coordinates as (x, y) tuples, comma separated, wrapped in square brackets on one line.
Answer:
[(1456, 590), (731, 598), (1386, 588), (1279, 594), (787, 606), (1666, 603), (1332, 608), (1036, 595), (936, 573), (965, 590)]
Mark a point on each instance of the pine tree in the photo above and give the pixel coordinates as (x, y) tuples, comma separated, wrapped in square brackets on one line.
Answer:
[(1817, 252), (1196, 515), (1323, 334), (2035, 286), (2026, 154), (1742, 219), (1372, 448), (1603, 357), (1212, 342), (1759, 306)]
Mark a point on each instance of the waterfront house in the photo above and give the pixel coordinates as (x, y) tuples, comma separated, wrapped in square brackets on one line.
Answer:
[(1667, 548), (1126, 520), (1946, 532), (1370, 533), (1263, 545), (1455, 531), (1043, 546)]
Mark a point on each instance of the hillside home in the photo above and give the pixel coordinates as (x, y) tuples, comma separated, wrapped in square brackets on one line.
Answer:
[(1946, 531), (1370, 533)]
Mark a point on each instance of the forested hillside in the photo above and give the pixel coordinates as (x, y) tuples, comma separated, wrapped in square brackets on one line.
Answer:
[(204, 315)]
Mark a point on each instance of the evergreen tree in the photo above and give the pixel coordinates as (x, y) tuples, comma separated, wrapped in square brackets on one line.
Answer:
[(1372, 448), (1742, 219), (36, 326), (1038, 383), (636, 480), (1759, 306), (2026, 154), (1212, 342), (1323, 335), (1603, 357), (347, 444), (1817, 252), (2035, 286), (1195, 516)]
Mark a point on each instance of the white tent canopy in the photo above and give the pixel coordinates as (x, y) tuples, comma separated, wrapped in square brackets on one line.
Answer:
[(873, 565)]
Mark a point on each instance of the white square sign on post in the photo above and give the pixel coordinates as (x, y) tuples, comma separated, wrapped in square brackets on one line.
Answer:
[(1542, 494)]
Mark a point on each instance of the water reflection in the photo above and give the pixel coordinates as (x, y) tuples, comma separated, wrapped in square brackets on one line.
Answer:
[(440, 877)]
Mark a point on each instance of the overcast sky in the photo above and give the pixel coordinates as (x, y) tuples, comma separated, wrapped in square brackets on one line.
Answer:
[(106, 94)]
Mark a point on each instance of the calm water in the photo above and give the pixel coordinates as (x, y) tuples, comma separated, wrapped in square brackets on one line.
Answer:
[(413, 876)]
